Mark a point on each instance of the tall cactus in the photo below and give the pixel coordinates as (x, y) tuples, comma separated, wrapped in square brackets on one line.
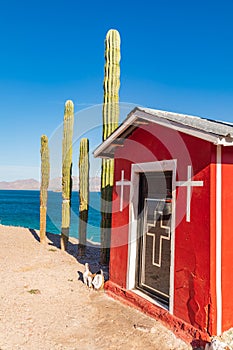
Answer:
[(110, 123), (83, 194), (45, 172), (67, 171)]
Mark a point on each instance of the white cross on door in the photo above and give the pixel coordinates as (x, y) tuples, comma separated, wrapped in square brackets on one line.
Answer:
[(167, 231), (189, 184), (122, 183)]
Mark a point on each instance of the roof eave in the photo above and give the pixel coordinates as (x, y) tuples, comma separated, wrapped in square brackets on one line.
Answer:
[(100, 150), (106, 151), (224, 141)]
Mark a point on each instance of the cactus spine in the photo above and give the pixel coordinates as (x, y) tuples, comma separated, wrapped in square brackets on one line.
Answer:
[(110, 123), (67, 171), (83, 194), (45, 172)]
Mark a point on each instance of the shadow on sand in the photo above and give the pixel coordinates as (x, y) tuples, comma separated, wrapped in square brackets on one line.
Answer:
[(92, 256), (93, 259)]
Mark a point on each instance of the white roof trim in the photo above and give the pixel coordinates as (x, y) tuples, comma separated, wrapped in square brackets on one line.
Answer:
[(156, 119), (178, 127), (129, 121)]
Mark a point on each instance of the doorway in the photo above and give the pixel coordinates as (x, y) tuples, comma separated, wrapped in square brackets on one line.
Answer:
[(154, 233), (151, 247)]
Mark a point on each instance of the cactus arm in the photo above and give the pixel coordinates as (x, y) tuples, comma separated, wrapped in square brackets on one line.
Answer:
[(110, 123), (67, 171), (83, 194), (45, 173)]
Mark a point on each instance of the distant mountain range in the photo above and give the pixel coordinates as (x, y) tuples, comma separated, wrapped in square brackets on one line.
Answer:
[(29, 184), (54, 185)]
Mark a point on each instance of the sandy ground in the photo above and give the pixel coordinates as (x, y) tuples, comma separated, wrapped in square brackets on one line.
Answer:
[(44, 304)]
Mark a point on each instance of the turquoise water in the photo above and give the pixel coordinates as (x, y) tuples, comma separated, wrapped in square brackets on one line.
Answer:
[(22, 208)]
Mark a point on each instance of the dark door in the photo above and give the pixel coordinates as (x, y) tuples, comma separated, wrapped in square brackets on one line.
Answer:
[(154, 230)]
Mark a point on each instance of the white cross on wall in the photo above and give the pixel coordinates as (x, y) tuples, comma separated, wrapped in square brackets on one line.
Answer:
[(122, 183), (189, 184), (161, 238)]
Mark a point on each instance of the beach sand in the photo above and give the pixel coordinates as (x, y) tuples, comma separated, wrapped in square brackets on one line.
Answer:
[(44, 304)]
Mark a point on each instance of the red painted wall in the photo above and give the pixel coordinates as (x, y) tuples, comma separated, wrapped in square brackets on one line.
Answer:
[(192, 300), (192, 270), (227, 237), (119, 232)]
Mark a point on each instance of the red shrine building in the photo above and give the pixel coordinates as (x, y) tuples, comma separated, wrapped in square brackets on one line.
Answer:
[(172, 219)]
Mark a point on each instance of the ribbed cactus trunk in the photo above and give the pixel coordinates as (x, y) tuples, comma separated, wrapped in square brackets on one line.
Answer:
[(45, 172), (67, 171), (83, 194), (110, 123)]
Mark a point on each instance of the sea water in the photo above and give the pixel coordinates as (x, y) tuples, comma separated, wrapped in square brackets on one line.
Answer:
[(22, 208)]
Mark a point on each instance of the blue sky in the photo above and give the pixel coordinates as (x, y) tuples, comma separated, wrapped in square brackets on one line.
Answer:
[(176, 55)]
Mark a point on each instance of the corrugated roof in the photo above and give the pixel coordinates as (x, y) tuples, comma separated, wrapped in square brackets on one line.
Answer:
[(204, 124), (213, 131)]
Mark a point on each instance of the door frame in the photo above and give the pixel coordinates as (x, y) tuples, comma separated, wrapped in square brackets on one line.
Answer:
[(136, 169)]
